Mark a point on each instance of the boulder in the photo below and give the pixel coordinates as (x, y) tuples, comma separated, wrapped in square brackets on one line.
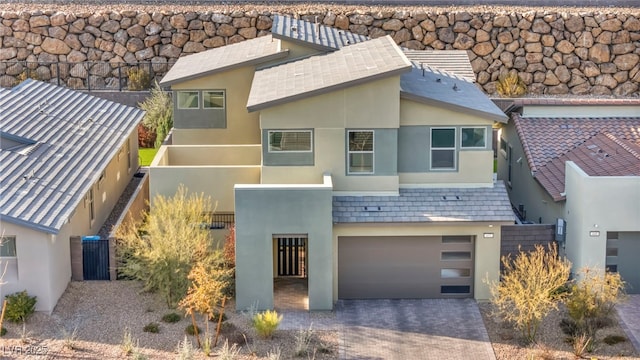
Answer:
[(55, 46), (599, 53), (626, 61)]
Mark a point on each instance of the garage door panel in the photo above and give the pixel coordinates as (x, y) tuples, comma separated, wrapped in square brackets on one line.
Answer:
[(404, 267)]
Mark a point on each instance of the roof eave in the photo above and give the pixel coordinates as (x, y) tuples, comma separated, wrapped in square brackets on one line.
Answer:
[(254, 61), (328, 89), (28, 224), (491, 116), (308, 44)]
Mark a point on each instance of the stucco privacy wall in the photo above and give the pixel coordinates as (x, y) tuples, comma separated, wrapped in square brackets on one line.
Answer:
[(572, 52), (266, 210)]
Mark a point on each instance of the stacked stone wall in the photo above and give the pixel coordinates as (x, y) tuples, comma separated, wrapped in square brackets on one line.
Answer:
[(555, 53)]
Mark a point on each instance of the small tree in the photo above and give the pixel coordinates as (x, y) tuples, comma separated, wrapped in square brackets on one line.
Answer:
[(159, 116), (208, 284), (162, 250), (529, 288)]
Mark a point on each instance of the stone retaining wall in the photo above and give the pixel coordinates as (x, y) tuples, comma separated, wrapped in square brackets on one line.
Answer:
[(554, 53)]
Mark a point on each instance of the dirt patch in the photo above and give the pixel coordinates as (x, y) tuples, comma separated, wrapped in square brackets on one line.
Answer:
[(101, 311), (552, 343)]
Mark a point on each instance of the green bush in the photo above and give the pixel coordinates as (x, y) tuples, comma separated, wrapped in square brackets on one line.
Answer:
[(171, 317), (139, 79), (266, 323), (151, 328), (215, 316), (20, 306), (3, 331), (189, 330)]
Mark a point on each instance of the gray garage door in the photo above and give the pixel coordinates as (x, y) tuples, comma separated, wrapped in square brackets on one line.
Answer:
[(622, 256), (404, 267)]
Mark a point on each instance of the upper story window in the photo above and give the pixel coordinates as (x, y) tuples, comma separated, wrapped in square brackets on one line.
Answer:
[(360, 151), (188, 100), (474, 137), (213, 99), (7, 246), (443, 148), (290, 141)]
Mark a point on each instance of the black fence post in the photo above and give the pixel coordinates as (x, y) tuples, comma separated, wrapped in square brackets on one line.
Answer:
[(88, 76), (58, 73), (119, 76)]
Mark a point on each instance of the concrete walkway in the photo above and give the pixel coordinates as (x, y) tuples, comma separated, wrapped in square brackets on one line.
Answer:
[(412, 329), (629, 313)]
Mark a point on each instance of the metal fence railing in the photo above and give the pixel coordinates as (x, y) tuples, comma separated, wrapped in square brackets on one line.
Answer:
[(86, 75)]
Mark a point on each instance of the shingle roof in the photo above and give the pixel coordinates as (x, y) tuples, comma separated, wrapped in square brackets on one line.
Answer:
[(249, 52), (426, 205), (545, 139), (321, 37), (66, 139), (601, 155), (452, 61), (433, 86), (349, 66)]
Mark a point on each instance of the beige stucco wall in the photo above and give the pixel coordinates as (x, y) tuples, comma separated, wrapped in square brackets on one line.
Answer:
[(242, 126), (202, 155), (555, 111), (599, 203), (487, 250), (214, 181), (297, 50), (370, 106), (474, 169)]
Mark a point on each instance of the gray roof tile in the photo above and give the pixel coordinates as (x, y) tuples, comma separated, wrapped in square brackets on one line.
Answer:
[(452, 61), (249, 52), (68, 139), (427, 205), (349, 66), (314, 35), (433, 86)]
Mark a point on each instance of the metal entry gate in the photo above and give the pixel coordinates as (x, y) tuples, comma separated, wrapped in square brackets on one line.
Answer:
[(95, 259), (292, 255)]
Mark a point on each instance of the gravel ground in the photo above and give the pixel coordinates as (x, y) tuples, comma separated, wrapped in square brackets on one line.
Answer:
[(119, 207), (100, 311), (551, 341)]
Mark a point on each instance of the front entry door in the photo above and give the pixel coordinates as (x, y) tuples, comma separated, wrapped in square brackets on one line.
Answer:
[(292, 255)]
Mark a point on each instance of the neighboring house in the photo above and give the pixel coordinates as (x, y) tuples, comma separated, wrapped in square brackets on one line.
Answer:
[(65, 158), (579, 161), (343, 162)]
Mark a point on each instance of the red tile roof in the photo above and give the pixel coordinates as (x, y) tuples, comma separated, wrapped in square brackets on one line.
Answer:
[(599, 146), (575, 101)]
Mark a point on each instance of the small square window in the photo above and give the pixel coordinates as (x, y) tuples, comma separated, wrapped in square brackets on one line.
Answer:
[(8, 246), (474, 137), (360, 152), (188, 100), (213, 99)]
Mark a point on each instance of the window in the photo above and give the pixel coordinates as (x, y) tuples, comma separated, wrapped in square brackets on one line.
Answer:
[(503, 147), (7, 246), (510, 164), (91, 212), (474, 138), (456, 255), (188, 100), (360, 152), (455, 289), (213, 99), (103, 175), (454, 273), (290, 141), (128, 155), (443, 148)]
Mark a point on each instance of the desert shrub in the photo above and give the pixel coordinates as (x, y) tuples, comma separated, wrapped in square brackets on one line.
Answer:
[(70, 338), (302, 342), (151, 328), (20, 306), (139, 79), (227, 352), (127, 345), (171, 317), (3, 331), (528, 289), (185, 349), (146, 137), (582, 343), (216, 314), (266, 323), (190, 330), (511, 85), (159, 113), (614, 339), (274, 354), (592, 299)]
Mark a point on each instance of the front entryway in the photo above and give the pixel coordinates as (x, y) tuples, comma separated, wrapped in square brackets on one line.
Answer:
[(622, 257), (290, 284), (405, 267)]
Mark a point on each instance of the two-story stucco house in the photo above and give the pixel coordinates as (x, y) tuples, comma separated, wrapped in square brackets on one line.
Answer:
[(578, 160), (343, 161), (65, 158)]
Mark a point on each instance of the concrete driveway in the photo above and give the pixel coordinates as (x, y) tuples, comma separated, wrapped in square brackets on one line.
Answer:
[(412, 329)]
